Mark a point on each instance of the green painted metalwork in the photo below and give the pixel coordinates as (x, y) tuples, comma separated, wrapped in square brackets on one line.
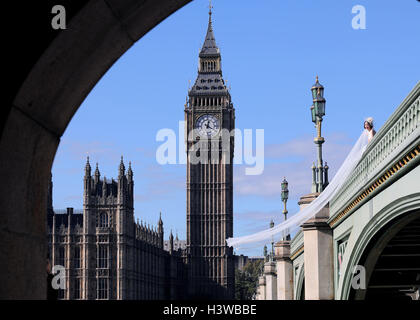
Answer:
[(297, 242), (396, 208)]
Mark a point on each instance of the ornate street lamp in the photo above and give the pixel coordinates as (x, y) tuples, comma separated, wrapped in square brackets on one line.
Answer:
[(320, 176), (272, 241), (284, 197), (317, 87), (313, 115), (319, 105), (265, 253)]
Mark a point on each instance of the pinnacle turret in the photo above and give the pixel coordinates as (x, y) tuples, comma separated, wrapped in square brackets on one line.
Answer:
[(130, 172), (160, 224), (97, 173), (87, 168), (121, 168)]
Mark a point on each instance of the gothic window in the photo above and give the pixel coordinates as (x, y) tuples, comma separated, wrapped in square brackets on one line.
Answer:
[(77, 257), (102, 289), (102, 261), (77, 284), (103, 220), (60, 256)]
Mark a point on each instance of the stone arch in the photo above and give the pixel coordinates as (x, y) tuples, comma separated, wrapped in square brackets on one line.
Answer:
[(375, 236), (300, 285), (100, 33)]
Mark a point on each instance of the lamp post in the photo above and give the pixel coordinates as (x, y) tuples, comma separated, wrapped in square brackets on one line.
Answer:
[(284, 197), (272, 241), (265, 253), (319, 172)]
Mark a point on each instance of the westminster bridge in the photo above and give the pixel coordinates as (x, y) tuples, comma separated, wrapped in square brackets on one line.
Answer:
[(365, 244)]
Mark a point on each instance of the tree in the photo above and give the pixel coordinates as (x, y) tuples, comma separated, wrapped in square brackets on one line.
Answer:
[(246, 280)]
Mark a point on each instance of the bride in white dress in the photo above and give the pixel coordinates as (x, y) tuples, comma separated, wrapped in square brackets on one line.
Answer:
[(368, 125)]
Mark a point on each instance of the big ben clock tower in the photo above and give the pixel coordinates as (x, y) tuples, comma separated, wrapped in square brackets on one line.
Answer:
[(210, 118)]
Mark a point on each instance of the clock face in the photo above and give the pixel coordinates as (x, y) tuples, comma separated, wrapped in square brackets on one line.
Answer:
[(207, 125)]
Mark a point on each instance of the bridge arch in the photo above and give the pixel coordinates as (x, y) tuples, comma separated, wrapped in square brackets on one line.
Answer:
[(375, 240), (300, 284), (46, 100)]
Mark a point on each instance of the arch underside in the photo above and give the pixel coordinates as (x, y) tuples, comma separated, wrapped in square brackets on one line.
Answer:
[(300, 284), (392, 261), (97, 36)]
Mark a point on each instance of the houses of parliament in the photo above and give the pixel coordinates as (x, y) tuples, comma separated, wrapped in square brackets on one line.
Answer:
[(108, 255)]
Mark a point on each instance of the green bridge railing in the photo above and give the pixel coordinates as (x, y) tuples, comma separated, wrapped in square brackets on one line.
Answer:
[(400, 133)]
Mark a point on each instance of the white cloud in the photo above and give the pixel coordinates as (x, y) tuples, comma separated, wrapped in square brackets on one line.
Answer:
[(293, 160)]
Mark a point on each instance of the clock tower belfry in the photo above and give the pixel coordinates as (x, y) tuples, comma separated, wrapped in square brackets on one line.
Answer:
[(210, 119)]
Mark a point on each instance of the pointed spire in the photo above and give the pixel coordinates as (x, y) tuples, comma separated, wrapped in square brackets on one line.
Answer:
[(87, 168), (160, 224), (209, 46), (171, 242), (210, 12), (130, 172), (122, 167), (97, 173)]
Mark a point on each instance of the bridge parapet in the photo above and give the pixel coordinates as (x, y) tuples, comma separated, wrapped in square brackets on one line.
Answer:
[(399, 137)]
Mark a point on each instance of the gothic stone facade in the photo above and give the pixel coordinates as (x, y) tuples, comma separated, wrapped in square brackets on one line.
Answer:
[(106, 254)]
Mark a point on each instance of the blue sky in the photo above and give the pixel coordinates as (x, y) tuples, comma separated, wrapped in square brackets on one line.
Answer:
[(271, 52)]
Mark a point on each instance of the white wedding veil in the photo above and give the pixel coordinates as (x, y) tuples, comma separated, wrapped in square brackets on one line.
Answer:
[(315, 206)]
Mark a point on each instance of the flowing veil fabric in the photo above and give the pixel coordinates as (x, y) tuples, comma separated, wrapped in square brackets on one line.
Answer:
[(315, 206)]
